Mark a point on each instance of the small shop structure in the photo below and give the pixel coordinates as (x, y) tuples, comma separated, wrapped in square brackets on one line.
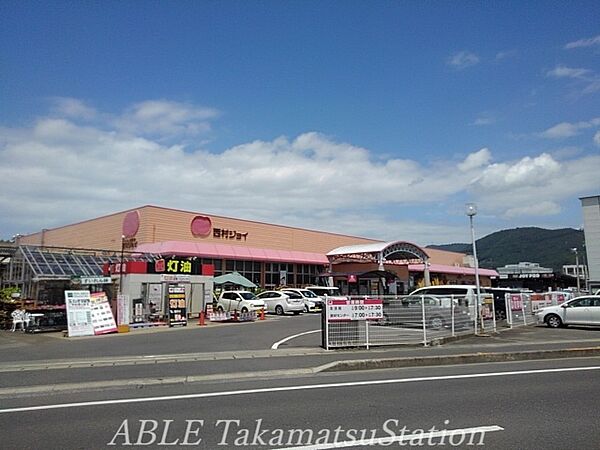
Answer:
[(162, 290), (531, 276)]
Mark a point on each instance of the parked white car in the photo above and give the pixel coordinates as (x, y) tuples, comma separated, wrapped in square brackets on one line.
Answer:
[(243, 301), (325, 292), (312, 302), (584, 310), (282, 302)]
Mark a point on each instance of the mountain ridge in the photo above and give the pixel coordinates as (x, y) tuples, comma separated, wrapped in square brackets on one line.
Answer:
[(548, 248)]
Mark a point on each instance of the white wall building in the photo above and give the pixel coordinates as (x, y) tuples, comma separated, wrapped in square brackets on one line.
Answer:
[(591, 226)]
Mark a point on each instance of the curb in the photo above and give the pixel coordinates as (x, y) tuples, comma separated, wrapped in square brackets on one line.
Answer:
[(143, 382), (467, 358), (22, 366)]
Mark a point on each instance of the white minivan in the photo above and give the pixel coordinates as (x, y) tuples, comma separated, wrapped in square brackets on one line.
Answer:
[(325, 292), (462, 294)]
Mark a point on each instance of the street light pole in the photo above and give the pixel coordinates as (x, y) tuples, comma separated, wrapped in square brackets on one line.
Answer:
[(471, 211), (121, 265)]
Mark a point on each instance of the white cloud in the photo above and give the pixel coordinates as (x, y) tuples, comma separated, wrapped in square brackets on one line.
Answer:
[(583, 81), (592, 87), (597, 138), (546, 208), (501, 56), (462, 60), (75, 171), (166, 118), (568, 72), (476, 160), (73, 108), (535, 186), (484, 119), (526, 172), (566, 129), (584, 43)]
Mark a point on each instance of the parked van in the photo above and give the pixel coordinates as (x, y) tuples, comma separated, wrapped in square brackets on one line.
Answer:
[(325, 292), (463, 294)]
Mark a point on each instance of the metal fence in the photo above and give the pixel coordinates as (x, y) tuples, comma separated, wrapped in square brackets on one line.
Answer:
[(424, 319), (521, 308), (406, 320)]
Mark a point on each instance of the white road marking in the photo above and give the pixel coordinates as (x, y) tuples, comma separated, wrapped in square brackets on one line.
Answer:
[(276, 345), (389, 440), (294, 388)]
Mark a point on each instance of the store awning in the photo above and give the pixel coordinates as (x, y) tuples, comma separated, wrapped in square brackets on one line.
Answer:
[(226, 251), (379, 252), (454, 270)]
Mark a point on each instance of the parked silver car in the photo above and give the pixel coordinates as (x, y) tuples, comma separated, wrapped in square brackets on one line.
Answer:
[(584, 310), (282, 302)]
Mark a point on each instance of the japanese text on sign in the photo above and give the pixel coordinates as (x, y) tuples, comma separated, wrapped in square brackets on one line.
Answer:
[(358, 309), (223, 233)]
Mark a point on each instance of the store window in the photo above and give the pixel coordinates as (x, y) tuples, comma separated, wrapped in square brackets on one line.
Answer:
[(307, 274), (279, 274), (248, 269)]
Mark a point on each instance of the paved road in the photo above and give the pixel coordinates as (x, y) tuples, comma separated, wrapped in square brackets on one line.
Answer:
[(510, 405)]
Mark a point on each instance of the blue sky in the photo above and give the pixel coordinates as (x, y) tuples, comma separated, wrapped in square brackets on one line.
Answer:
[(373, 118)]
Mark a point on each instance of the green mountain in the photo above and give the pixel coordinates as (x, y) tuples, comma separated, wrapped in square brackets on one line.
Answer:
[(548, 248)]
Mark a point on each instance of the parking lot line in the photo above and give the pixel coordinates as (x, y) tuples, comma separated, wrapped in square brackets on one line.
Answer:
[(276, 345)]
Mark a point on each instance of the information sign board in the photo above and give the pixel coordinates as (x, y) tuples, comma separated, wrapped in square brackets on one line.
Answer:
[(103, 320), (356, 309), (177, 305), (79, 313)]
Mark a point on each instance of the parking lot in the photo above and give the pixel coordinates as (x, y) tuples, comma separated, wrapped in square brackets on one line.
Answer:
[(289, 332)]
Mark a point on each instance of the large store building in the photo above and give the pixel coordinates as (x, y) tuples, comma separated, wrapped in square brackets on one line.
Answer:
[(267, 254)]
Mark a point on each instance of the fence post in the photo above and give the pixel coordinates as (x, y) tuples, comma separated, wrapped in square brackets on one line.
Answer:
[(523, 309), (452, 305), (424, 321), (367, 333), (324, 315), (494, 312), (508, 309)]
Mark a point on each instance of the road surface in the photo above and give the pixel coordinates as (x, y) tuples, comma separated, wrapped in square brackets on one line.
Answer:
[(542, 404)]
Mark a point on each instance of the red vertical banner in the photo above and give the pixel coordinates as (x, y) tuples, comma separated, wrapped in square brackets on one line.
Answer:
[(516, 302)]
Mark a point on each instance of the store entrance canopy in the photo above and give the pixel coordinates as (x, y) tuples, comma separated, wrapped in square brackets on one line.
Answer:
[(234, 278)]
